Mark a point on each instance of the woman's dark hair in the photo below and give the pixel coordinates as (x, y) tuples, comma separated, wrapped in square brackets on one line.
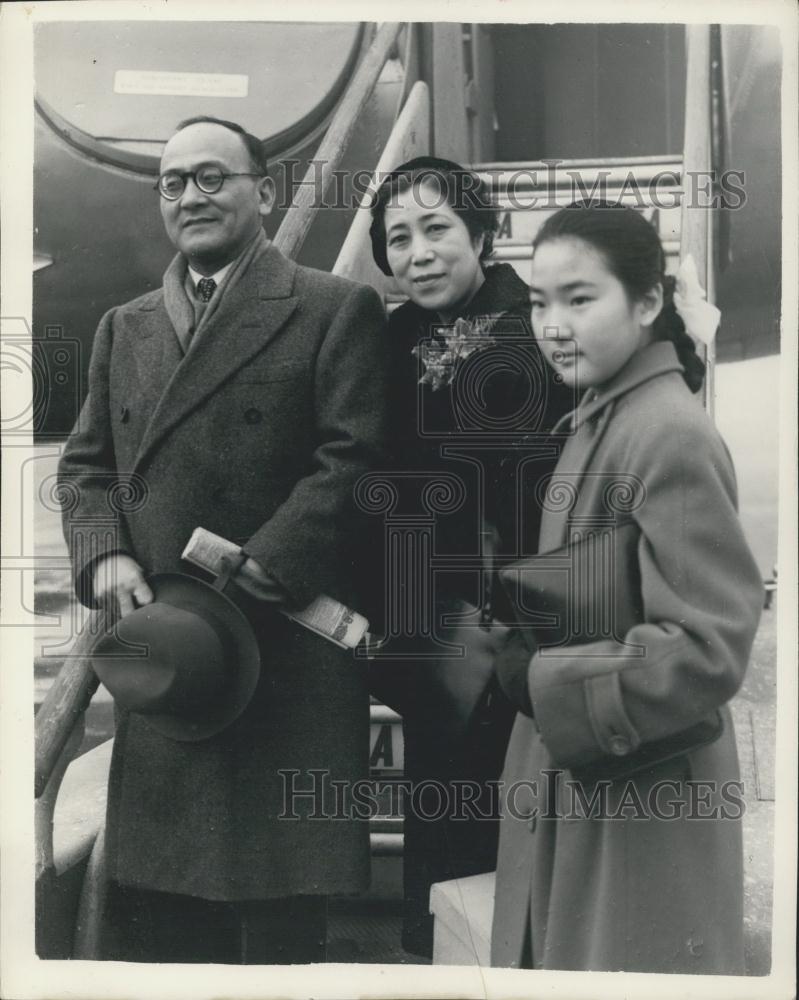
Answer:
[(465, 193), (633, 252)]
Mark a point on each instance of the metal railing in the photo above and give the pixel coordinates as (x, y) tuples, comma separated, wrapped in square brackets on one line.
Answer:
[(695, 222), (295, 225)]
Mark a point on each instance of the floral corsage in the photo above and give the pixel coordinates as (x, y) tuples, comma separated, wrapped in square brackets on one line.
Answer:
[(440, 356)]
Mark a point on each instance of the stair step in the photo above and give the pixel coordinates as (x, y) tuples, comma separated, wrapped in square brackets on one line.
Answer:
[(537, 177), (386, 844), (386, 824), (526, 194), (386, 744)]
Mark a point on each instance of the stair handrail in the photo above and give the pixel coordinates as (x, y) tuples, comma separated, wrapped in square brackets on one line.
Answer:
[(297, 221), (67, 699), (410, 135), (695, 223)]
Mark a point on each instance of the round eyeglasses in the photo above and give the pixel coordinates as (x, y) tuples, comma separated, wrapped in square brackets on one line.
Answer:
[(209, 180)]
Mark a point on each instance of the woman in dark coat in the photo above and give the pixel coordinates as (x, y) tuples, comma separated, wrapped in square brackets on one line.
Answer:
[(465, 372)]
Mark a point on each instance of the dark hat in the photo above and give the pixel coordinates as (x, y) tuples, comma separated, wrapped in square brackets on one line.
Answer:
[(189, 661)]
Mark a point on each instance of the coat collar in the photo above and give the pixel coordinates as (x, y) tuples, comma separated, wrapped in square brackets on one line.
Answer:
[(502, 291), (586, 427), (656, 359), (240, 329)]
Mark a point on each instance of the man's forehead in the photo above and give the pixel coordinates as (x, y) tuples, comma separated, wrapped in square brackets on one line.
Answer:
[(204, 142)]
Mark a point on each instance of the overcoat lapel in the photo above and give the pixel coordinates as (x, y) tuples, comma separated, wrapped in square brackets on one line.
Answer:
[(587, 425), (156, 352), (253, 313), (564, 484)]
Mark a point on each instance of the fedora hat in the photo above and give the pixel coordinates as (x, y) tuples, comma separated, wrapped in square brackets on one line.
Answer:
[(188, 662)]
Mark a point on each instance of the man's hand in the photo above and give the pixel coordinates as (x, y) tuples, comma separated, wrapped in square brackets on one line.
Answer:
[(120, 578), (253, 578)]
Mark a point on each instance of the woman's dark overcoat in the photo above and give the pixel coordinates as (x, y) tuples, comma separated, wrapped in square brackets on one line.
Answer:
[(649, 892), (505, 426)]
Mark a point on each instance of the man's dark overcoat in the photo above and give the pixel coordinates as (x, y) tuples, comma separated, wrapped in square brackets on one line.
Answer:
[(258, 434)]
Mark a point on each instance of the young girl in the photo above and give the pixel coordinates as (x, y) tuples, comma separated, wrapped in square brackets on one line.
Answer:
[(651, 879)]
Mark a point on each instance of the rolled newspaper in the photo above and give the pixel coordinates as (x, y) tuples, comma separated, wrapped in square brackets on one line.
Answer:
[(324, 615)]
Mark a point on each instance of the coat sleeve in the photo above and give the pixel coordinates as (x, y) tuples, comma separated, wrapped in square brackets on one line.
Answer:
[(310, 543), (91, 491), (702, 598)]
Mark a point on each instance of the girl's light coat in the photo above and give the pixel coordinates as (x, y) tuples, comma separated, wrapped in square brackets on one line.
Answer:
[(651, 893)]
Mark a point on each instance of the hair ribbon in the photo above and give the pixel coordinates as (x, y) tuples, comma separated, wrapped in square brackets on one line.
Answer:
[(701, 318)]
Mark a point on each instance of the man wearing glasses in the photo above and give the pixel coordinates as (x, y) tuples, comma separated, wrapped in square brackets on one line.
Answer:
[(247, 395)]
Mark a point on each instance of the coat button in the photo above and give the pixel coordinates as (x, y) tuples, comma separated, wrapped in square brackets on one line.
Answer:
[(124, 414), (253, 415), (619, 745)]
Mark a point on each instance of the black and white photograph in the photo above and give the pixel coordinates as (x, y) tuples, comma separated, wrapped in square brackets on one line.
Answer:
[(399, 500)]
